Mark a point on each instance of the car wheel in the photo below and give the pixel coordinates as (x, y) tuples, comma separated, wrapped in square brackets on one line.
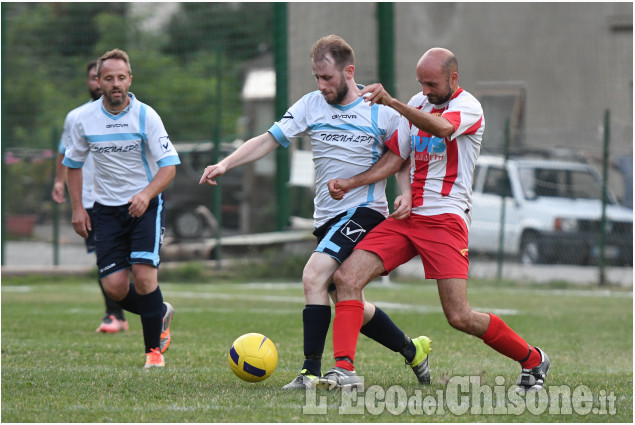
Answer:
[(530, 250), (188, 224)]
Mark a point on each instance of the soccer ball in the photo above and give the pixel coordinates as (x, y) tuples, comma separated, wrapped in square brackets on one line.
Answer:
[(253, 357)]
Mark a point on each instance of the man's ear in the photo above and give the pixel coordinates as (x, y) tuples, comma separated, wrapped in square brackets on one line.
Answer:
[(349, 71)]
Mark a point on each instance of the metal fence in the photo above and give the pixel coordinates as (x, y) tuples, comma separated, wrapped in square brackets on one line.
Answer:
[(213, 75)]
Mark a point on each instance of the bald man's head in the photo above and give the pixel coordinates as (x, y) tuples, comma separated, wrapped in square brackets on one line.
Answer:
[(440, 58), (437, 71)]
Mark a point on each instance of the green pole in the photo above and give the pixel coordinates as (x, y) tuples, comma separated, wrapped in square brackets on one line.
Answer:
[(605, 166), (56, 206), (3, 183), (501, 231), (216, 193), (282, 99), (386, 68)]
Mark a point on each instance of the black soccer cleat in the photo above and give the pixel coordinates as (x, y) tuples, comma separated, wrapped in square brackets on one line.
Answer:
[(531, 380)]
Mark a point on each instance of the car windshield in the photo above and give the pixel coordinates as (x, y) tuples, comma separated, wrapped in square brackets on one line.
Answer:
[(559, 183)]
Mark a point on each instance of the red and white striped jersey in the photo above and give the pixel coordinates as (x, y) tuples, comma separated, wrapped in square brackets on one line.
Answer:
[(442, 169)]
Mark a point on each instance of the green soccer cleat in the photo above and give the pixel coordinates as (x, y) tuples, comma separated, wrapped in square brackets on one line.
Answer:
[(419, 364)]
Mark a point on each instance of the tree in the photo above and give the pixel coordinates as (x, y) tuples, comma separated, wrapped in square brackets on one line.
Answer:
[(240, 30)]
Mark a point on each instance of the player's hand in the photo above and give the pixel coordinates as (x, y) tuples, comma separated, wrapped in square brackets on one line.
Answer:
[(376, 93), (138, 205), (403, 206), (337, 188), (58, 192), (210, 173), (81, 222)]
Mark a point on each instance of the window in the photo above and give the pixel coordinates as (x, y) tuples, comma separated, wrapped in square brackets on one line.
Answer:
[(497, 182), (502, 100)]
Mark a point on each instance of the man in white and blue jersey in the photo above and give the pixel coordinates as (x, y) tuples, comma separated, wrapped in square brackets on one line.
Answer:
[(347, 137), (114, 319), (134, 162)]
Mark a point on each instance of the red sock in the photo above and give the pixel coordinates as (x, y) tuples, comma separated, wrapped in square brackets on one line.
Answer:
[(349, 316), (501, 338)]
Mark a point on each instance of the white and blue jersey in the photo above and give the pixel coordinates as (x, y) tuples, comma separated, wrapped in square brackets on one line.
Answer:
[(346, 140), (89, 168), (128, 149)]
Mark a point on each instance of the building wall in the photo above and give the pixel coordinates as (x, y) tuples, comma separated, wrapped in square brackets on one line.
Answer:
[(575, 59), (307, 22)]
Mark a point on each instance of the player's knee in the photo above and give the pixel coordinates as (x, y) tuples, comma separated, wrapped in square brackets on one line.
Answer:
[(115, 291), (459, 320), (345, 279), (311, 281)]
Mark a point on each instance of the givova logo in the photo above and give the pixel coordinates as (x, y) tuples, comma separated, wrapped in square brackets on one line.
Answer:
[(352, 230), (165, 143)]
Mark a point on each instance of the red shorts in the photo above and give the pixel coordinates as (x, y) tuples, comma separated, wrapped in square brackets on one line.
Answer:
[(440, 241)]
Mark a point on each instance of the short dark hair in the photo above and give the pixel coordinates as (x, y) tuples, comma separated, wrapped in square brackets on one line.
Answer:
[(451, 65), (113, 54), (341, 52), (90, 65)]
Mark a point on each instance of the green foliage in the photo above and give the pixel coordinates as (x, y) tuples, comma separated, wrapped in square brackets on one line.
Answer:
[(30, 185), (55, 368), (274, 265), (227, 23), (185, 95), (114, 32), (190, 73)]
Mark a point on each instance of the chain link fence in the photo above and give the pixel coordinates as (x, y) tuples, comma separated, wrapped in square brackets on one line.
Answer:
[(210, 74)]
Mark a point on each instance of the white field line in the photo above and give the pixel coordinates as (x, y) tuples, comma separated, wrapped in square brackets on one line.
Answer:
[(606, 293), (300, 300), (594, 293)]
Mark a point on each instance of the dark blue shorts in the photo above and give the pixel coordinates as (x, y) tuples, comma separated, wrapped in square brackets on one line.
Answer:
[(123, 240), (338, 236), (90, 240)]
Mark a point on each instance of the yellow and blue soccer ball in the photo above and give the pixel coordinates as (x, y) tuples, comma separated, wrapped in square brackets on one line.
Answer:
[(253, 357)]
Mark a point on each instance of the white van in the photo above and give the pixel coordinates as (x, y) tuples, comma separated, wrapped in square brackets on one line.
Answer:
[(552, 213)]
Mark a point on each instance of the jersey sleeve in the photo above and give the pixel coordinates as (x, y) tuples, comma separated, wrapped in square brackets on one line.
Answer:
[(158, 140), (465, 114), (292, 124), (66, 134), (399, 142), (392, 124), (77, 147)]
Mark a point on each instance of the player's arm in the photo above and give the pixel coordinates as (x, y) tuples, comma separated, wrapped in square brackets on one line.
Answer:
[(139, 202), (80, 218), (403, 203), (250, 151), (433, 124), (387, 165), (58, 184)]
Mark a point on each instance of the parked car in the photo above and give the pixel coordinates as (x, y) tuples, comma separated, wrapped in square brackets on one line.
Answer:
[(189, 206), (553, 211)]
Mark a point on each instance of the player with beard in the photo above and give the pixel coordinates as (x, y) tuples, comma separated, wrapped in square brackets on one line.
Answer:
[(114, 319), (347, 136), (440, 136), (134, 162)]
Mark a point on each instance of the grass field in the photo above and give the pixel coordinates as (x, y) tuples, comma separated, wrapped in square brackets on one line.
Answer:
[(55, 368)]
